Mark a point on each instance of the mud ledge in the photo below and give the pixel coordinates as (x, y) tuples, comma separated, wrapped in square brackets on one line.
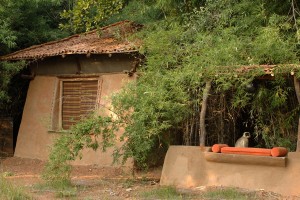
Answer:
[(245, 159)]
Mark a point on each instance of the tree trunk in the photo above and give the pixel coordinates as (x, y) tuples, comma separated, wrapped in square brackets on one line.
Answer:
[(297, 90), (202, 130)]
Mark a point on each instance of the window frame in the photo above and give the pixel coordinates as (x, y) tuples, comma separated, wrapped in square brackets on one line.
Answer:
[(74, 79)]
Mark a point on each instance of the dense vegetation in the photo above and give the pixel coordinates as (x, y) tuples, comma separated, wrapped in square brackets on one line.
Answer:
[(199, 82)]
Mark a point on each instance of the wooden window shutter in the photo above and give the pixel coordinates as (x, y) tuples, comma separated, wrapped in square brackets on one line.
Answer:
[(78, 100)]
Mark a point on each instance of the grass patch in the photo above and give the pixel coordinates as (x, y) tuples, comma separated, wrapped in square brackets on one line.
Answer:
[(7, 174), (10, 192), (165, 192), (66, 193), (227, 193), (62, 189), (128, 183)]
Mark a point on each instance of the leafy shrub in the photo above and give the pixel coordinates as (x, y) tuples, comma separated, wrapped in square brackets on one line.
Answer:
[(68, 146)]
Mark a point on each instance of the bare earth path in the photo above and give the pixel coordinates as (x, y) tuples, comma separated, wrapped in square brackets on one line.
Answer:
[(92, 182)]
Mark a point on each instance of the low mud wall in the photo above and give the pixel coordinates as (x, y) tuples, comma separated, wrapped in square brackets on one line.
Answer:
[(186, 166)]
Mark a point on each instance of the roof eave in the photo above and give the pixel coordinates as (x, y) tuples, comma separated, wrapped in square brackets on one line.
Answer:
[(29, 58)]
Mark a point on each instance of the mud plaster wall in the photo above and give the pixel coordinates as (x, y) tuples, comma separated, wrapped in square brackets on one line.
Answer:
[(185, 166), (34, 137)]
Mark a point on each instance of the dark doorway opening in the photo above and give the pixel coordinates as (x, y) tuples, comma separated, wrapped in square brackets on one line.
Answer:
[(12, 110)]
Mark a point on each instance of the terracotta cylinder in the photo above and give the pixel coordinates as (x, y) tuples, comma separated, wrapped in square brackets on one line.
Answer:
[(216, 148), (279, 152), (247, 151)]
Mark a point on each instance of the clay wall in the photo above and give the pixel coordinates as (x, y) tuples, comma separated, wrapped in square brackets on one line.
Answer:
[(186, 166)]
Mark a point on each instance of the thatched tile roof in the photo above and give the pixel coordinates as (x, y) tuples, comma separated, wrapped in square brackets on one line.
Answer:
[(106, 40)]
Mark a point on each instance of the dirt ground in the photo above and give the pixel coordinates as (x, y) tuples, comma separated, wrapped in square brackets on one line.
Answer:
[(92, 182)]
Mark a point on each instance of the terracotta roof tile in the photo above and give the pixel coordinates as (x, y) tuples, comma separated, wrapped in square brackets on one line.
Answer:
[(109, 39)]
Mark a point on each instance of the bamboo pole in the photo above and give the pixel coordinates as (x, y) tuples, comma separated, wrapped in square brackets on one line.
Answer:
[(297, 90), (202, 130)]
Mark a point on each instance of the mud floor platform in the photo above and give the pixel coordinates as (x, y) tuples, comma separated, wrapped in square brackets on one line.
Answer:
[(186, 166)]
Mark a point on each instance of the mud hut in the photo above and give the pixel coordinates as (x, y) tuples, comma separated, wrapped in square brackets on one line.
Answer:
[(69, 78)]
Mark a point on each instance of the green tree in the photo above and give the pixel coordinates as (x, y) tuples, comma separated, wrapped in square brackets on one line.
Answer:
[(27, 22), (85, 15), (8, 70)]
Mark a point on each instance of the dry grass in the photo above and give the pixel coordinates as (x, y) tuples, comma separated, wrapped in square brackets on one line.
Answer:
[(11, 192)]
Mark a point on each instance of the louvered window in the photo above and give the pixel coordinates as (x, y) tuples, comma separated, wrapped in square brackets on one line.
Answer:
[(78, 100)]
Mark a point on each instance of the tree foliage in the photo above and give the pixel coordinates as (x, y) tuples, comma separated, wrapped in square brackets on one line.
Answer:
[(8, 70), (27, 22), (24, 23), (88, 14)]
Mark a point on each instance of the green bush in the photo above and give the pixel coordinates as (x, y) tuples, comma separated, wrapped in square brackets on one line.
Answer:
[(67, 147)]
